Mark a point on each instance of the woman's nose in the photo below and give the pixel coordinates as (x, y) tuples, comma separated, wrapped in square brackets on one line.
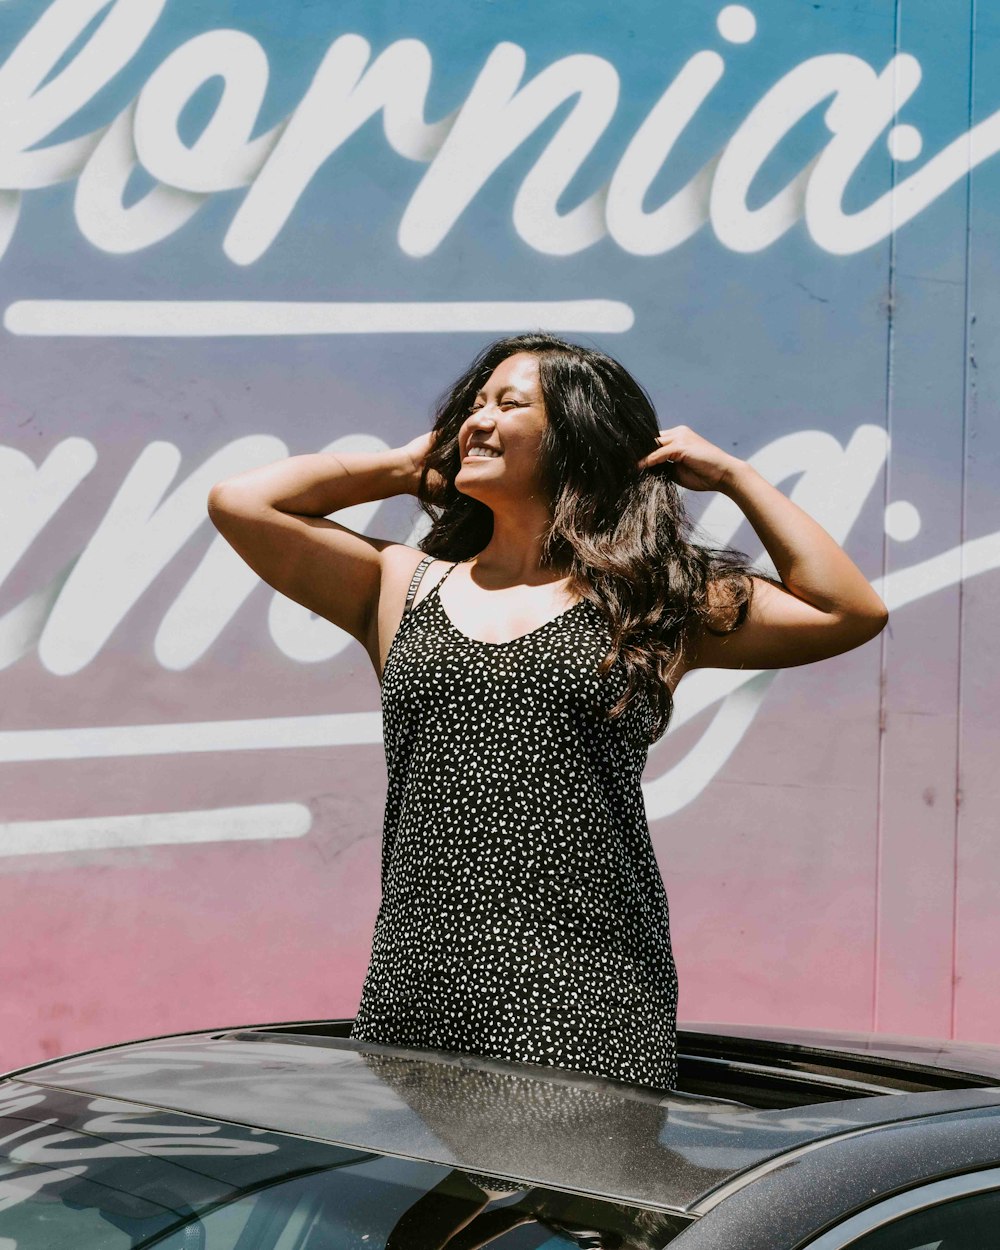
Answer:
[(482, 417)]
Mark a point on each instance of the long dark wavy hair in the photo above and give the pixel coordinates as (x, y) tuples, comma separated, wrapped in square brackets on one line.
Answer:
[(621, 535)]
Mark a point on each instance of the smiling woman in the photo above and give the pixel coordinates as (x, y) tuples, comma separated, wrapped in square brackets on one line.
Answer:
[(506, 422), (585, 492), (523, 915)]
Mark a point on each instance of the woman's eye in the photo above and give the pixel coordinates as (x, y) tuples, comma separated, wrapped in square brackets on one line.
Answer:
[(504, 403)]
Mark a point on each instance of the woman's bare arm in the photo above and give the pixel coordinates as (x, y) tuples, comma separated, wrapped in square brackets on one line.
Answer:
[(825, 604), (276, 518)]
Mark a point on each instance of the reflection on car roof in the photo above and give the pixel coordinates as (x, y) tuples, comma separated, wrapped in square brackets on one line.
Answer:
[(541, 1126)]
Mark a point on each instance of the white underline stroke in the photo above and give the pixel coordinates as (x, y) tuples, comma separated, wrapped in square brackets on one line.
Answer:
[(225, 318), (264, 733), (261, 822)]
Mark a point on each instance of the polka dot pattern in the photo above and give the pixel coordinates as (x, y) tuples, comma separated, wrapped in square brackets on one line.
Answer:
[(523, 915)]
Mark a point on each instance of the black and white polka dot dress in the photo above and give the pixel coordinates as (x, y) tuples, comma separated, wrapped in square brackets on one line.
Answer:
[(523, 915)]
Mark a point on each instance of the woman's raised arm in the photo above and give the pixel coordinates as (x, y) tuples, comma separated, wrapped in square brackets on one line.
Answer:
[(276, 518), (825, 604)]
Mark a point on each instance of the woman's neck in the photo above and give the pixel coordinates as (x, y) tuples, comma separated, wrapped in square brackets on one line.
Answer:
[(513, 556)]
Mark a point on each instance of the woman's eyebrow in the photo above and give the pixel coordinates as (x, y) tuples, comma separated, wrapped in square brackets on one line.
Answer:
[(505, 391)]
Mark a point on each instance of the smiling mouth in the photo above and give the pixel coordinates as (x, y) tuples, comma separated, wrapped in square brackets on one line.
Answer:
[(477, 453)]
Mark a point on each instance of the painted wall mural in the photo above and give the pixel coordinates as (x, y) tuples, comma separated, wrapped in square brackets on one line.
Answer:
[(231, 232)]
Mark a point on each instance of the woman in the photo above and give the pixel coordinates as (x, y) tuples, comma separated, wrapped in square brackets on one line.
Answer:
[(523, 915)]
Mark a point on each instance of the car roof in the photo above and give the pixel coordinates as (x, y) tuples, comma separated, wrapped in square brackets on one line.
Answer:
[(542, 1126)]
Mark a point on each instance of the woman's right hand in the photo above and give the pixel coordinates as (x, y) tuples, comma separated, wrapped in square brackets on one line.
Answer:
[(418, 449)]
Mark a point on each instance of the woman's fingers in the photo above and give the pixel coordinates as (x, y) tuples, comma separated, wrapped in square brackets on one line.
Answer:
[(698, 464), (664, 450)]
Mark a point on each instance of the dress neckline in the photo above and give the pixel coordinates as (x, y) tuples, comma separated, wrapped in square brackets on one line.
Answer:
[(481, 642)]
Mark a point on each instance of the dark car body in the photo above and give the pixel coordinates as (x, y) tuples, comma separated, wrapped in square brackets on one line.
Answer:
[(296, 1137)]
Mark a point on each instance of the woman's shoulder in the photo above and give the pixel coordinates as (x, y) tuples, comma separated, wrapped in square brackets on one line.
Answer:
[(403, 563)]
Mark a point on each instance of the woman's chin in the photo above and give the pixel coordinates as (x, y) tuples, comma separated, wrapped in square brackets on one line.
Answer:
[(472, 489), (471, 484)]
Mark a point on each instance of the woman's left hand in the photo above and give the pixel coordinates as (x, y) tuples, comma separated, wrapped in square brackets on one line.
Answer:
[(698, 464)]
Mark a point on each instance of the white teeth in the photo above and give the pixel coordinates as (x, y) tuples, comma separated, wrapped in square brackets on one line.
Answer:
[(481, 451)]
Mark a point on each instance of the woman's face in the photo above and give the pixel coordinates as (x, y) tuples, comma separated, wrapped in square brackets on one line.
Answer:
[(507, 419)]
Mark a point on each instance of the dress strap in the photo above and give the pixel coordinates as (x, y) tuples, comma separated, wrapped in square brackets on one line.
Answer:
[(445, 574), (418, 573)]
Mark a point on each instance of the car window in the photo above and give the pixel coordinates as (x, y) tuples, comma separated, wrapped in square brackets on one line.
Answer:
[(94, 1173), (383, 1204), (956, 1225), (965, 1223), (377, 1206)]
